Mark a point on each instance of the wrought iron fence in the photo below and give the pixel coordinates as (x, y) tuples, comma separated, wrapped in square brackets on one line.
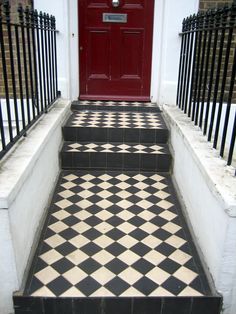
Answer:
[(206, 84), (28, 71)]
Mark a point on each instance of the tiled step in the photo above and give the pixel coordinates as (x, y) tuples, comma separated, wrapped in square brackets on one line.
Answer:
[(140, 157), (124, 127), (116, 242), (114, 106)]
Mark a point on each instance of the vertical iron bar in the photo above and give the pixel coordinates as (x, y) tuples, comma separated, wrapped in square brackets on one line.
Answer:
[(3, 140), (193, 64), (180, 64), (35, 69), (27, 19), (46, 57), (232, 144), (190, 53), (199, 30), (186, 56), (20, 76), (210, 23), (6, 7), (217, 78), (21, 19), (53, 70), (215, 25), (203, 25), (5, 77), (227, 54), (49, 57), (183, 65), (39, 58), (55, 54), (43, 59)]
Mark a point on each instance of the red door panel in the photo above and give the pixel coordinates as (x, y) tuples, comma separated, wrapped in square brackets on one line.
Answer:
[(115, 58)]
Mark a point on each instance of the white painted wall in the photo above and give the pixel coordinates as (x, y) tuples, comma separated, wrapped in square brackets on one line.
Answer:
[(207, 187), (27, 178)]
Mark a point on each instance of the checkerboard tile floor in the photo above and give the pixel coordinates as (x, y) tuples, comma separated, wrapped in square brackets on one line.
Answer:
[(116, 148), (115, 234), (109, 119)]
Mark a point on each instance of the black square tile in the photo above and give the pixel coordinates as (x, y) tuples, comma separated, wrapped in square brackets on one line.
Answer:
[(118, 306), (69, 133), (98, 160), (59, 285), (87, 306), (99, 135), (81, 160), (115, 135), (148, 162), (207, 305), (66, 160), (132, 136), (116, 266), (88, 286), (147, 136), (29, 305), (145, 286), (84, 134), (177, 305), (147, 305), (163, 162), (117, 286), (114, 161), (58, 306), (132, 161), (62, 266), (89, 266), (143, 266)]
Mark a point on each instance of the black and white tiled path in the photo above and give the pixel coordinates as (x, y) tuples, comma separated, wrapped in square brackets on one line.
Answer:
[(116, 234), (115, 240)]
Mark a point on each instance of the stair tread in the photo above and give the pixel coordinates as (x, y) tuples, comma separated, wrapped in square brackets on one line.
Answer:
[(115, 234), (115, 147), (112, 119)]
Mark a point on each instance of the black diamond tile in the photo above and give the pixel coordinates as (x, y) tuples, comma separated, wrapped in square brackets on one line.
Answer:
[(145, 286), (136, 221), (92, 234), (197, 285), (93, 221), (158, 221), (59, 285), (134, 199), (88, 285), (114, 209), (140, 249), (65, 248), (45, 248), (89, 266), (161, 234), (165, 249), (138, 234), (115, 249), (117, 286), (116, 266), (62, 266), (169, 266), (35, 285), (115, 234), (68, 234), (40, 264), (114, 198), (90, 248), (174, 285), (115, 221), (143, 266)]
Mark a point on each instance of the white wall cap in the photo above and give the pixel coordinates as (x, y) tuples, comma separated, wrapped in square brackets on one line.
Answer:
[(219, 177), (18, 163)]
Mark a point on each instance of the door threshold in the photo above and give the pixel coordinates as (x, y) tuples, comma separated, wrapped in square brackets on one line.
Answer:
[(116, 98)]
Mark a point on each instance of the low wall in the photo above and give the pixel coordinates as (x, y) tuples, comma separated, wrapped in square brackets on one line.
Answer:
[(27, 177), (207, 187)]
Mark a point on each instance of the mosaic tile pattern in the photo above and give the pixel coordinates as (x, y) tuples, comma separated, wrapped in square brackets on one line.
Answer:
[(109, 119), (116, 148), (115, 234)]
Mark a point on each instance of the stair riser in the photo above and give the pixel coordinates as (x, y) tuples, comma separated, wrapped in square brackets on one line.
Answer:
[(115, 135), (76, 107), (117, 161), (167, 305)]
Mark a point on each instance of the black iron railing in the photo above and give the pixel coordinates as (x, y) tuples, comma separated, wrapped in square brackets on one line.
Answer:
[(28, 70), (206, 85)]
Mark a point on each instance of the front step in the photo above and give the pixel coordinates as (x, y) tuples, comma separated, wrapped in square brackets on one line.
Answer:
[(119, 156), (110, 241), (121, 127), (114, 106)]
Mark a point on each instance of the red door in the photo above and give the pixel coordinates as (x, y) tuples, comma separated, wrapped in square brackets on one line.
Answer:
[(115, 49)]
